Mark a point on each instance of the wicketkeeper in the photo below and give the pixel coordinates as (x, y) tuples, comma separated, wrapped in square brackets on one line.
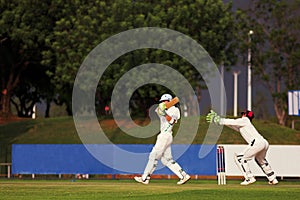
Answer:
[(257, 145), (162, 148)]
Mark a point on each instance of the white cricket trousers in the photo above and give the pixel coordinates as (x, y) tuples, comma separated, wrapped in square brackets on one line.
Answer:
[(257, 149), (162, 151)]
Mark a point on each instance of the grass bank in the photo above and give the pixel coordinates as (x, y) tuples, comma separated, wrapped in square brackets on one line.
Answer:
[(62, 131)]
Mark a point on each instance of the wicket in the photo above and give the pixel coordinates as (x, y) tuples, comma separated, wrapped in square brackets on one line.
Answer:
[(221, 165)]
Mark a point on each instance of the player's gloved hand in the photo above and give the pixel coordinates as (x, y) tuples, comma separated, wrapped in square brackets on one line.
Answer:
[(161, 110), (213, 117), (162, 106), (210, 116)]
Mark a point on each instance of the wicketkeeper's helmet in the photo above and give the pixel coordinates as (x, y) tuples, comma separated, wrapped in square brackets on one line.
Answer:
[(249, 114), (166, 97)]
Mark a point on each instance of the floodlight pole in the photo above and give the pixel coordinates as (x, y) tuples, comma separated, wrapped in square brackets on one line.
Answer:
[(235, 92), (249, 106), (222, 112)]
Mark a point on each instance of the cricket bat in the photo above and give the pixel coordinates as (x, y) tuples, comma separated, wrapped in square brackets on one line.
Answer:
[(172, 102)]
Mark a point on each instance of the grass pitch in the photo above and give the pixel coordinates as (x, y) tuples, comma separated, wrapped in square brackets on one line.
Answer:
[(156, 190)]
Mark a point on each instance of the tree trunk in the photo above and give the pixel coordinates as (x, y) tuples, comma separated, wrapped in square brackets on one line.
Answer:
[(47, 111), (11, 83), (5, 104), (280, 113)]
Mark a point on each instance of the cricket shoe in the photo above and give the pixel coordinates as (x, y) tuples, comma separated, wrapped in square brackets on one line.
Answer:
[(273, 182), (140, 180), (248, 181), (184, 180)]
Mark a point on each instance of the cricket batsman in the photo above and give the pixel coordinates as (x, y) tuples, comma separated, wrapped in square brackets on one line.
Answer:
[(169, 114), (257, 145)]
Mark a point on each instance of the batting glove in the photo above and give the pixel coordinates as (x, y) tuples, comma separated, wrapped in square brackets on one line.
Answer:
[(161, 110), (162, 106)]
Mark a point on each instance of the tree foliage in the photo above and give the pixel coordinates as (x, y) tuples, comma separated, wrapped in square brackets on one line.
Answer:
[(39, 38), (24, 26), (84, 24)]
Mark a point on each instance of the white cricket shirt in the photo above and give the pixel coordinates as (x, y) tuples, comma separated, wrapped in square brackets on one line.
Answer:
[(165, 126)]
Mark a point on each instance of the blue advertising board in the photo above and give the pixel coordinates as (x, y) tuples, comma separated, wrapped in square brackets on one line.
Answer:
[(75, 158)]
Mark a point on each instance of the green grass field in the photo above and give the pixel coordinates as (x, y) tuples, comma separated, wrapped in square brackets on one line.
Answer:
[(62, 131), (156, 190)]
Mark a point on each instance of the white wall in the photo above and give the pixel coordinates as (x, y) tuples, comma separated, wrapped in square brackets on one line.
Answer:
[(284, 159)]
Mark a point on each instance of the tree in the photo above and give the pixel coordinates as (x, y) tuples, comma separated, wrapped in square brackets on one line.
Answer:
[(34, 86), (24, 25), (77, 30), (82, 25), (275, 48)]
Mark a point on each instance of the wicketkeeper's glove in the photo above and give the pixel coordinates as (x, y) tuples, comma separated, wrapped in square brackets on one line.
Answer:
[(161, 110), (213, 117)]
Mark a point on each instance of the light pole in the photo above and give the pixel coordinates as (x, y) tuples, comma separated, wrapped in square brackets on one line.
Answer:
[(235, 92), (222, 111), (249, 106)]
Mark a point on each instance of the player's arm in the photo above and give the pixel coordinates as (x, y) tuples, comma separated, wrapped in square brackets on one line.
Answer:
[(232, 122), (172, 115), (213, 117), (170, 119), (236, 128)]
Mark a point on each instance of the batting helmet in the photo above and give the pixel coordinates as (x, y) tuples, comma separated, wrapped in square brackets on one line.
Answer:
[(249, 114), (166, 97)]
